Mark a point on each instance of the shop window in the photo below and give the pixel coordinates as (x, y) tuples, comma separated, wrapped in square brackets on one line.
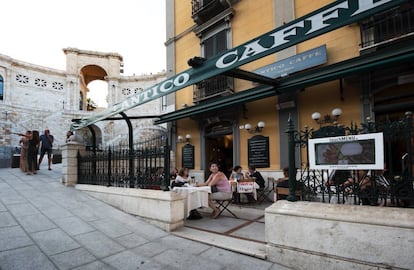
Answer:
[(218, 85)]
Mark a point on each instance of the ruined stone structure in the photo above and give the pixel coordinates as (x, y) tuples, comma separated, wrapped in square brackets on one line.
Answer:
[(33, 97)]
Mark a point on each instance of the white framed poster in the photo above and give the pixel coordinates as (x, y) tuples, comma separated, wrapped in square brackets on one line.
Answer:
[(353, 152)]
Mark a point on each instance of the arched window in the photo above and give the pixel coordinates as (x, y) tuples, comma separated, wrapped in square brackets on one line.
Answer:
[(1, 87), (80, 101)]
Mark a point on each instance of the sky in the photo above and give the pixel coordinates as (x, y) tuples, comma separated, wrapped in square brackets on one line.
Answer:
[(37, 31)]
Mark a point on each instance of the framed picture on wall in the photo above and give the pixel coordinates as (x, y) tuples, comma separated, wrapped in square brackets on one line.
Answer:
[(351, 152)]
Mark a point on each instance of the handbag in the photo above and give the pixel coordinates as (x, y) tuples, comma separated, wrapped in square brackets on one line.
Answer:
[(214, 189), (177, 184)]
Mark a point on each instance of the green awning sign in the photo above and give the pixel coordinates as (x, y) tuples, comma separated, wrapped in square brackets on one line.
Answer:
[(323, 20)]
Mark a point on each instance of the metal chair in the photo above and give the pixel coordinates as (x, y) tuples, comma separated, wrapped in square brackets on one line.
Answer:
[(263, 194), (223, 205)]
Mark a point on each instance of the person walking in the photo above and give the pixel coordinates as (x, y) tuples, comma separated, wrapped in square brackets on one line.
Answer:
[(46, 146)]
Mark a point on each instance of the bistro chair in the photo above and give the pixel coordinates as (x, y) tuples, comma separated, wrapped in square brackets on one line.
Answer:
[(223, 205), (263, 194)]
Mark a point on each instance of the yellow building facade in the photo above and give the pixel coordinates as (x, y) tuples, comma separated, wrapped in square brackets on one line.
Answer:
[(208, 28)]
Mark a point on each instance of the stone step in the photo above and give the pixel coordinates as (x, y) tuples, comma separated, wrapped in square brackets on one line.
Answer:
[(254, 249)]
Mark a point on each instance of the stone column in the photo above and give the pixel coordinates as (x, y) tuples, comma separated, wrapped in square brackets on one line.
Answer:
[(70, 162)]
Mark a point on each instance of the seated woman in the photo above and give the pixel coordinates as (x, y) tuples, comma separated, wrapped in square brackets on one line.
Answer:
[(182, 176), (236, 174), (220, 181)]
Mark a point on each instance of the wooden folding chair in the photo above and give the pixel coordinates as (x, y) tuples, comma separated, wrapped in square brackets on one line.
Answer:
[(285, 191)]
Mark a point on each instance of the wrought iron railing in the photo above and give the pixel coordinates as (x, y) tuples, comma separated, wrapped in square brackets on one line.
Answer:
[(119, 166), (203, 10), (386, 26), (391, 187), (213, 87)]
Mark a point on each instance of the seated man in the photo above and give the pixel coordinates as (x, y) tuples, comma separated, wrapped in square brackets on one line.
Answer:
[(257, 176), (284, 181)]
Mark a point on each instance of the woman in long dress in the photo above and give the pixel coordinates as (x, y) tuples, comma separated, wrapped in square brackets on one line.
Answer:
[(24, 145)]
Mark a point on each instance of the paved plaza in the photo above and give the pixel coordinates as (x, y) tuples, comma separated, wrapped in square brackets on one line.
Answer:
[(45, 225)]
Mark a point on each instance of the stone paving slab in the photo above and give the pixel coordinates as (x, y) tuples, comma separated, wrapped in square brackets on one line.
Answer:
[(27, 258), (74, 225), (35, 223), (54, 241), (13, 237), (2, 207), (128, 260), (73, 258), (6, 220), (22, 209), (111, 228), (99, 244), (256, 229)]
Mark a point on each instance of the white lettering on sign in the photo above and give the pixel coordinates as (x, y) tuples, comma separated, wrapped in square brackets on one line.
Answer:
[(317, 22)]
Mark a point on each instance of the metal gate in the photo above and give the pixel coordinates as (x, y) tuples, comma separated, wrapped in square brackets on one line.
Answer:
[(393, 187), (147, 165)]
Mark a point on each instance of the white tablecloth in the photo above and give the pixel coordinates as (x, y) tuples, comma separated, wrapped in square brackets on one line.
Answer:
[(195, 197)]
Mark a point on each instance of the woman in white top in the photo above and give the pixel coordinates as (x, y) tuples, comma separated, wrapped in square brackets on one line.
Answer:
[(182, 176)]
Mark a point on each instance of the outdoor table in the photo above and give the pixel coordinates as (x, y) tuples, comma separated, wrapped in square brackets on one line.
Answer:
[(195, 197), (236, 187)]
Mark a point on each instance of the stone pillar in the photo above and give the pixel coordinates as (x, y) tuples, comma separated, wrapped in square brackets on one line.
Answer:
[(70, 162)]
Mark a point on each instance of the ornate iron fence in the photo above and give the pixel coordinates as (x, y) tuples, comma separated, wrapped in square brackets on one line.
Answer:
[(145, 166), (391, 187)]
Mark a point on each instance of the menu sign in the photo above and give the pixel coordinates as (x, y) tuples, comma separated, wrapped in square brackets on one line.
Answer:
[(188, 156), (258, 151)]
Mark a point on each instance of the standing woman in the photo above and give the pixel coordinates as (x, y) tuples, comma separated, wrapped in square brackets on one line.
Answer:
[(32, 153), (24, 144)]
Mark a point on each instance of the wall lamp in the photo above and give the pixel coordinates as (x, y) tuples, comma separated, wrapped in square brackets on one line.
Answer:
[(327, 118), (196, 61), (257, 129), (180, 139)]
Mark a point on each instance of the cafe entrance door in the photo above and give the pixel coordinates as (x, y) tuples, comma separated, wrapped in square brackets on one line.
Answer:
[(219, 147)]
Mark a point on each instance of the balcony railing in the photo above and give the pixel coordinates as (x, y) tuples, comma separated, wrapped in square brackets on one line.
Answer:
[(203, 10), (213, 87), (387, 26)]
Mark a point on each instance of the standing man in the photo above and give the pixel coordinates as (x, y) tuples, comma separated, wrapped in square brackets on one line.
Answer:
[(46, 141)]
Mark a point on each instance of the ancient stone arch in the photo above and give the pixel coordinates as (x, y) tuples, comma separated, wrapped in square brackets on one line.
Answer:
[(92, 65)]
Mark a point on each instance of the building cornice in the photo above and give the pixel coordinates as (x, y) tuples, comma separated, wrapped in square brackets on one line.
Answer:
[(92, 53)]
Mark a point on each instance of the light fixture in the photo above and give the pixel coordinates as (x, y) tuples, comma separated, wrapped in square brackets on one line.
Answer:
[(196, 61), (180, 139), (327, 118), (257, 129)]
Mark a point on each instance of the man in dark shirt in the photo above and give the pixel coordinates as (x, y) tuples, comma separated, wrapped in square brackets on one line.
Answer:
[(46, 141), (257, 175)]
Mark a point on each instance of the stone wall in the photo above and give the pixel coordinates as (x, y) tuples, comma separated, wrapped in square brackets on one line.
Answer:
[(164, 209), (334, 236)]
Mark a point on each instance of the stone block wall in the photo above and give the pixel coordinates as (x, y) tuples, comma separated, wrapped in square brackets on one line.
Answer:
[(335, 236)]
